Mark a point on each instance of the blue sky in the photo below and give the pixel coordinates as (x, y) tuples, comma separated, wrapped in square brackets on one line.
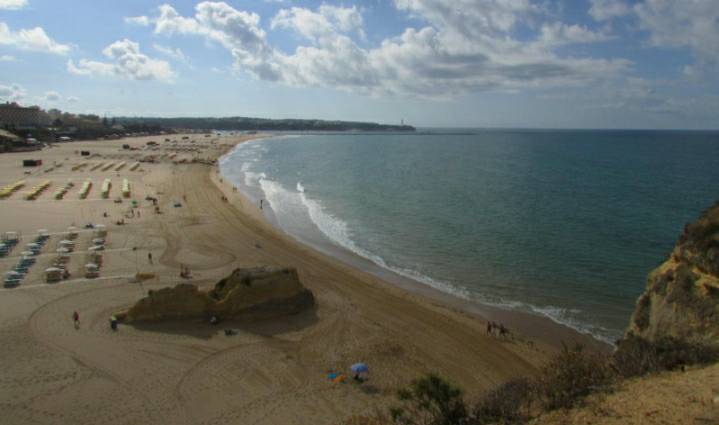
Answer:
[(450, 63)]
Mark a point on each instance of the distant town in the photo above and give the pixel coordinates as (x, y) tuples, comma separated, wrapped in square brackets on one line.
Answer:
[(26, 128)]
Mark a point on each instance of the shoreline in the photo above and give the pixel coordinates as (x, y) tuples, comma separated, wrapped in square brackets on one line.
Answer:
[(534, 326), (189, 371)]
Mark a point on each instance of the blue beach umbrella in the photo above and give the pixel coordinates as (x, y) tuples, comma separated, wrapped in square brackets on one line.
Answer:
[(359, 368)]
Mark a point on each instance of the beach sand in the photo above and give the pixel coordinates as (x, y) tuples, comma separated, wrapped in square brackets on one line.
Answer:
[(189, 372)]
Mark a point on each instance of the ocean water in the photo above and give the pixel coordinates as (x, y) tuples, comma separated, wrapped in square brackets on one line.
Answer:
[(564, 224)]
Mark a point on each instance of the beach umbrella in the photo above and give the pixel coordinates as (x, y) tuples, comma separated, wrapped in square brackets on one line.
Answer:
[(359, 368)]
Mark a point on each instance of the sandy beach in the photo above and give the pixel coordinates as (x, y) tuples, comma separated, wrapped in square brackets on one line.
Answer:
[(189, 372)]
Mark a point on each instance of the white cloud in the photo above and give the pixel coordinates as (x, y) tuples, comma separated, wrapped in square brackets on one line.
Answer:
[(12, 4), (34, 39), (72, 99), (142, 21), (471, 17), (126, 62), (7, 58), (465, 46), (326, 23), (602, 10), (51, 96), (693, 24), (558, 33), (176, 53), (13, 92)]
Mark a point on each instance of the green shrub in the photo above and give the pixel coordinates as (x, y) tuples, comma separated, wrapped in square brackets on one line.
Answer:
[(430, 400), (510, 403), (570, 376), (636, 356)]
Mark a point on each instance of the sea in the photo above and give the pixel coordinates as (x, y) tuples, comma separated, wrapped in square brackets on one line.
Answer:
[(559, 223)]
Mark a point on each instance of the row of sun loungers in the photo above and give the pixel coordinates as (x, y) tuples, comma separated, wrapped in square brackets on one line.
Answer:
[(8, 190), (36, 190)]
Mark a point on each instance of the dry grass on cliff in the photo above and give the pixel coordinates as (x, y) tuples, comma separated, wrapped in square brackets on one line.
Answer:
[(576, 380)]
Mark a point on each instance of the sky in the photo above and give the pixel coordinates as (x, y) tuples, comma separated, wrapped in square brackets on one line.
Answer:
[(642, 64)]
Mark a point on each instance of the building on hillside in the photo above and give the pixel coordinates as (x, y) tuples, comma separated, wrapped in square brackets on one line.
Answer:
[(15, 116), (8, 141)]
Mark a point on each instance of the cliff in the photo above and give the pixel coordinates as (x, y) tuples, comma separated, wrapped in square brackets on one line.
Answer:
[(682, 294), (255, 293)]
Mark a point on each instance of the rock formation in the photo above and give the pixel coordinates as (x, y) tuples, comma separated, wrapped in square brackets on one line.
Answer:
[(255, 293), (681, 300)]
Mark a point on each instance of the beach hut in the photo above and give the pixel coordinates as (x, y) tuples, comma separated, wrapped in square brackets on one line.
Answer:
[(11, 238), (42, 236), (100, 230), (71, 232), (62, 250), (53, 274), (98, 241), (27, 253), (68, 245), (92, 270), (12, 279), (33, 247)]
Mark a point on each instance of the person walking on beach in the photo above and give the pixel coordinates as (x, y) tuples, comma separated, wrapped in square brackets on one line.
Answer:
[(261, 202), (149, 257), (76, 319)]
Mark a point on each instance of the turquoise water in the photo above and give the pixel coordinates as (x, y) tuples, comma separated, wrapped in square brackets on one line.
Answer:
[(565, 224)]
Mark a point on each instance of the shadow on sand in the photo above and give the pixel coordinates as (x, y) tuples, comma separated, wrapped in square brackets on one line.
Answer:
[(201, 327)]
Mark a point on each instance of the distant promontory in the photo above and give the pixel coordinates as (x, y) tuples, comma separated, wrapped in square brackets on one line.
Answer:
[(265, 124)]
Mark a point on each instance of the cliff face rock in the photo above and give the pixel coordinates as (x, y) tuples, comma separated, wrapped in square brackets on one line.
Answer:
[(255, 293), (682, 295)]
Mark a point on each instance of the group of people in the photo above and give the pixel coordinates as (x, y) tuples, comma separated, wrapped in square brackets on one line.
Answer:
[(76, 321), (497, 329)]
